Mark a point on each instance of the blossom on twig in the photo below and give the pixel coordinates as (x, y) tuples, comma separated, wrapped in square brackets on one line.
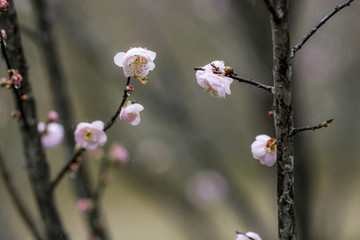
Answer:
[(264, 149), (131, 113), (216, 84), (90, 135), (137, 62)]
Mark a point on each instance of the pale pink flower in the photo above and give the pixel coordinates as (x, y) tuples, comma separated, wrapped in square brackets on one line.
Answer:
[(84, 204), (248, 236), (264, 149), (52, 134), (216, 84), (119, 153), (131, 113), (137, 62), (90, 135)]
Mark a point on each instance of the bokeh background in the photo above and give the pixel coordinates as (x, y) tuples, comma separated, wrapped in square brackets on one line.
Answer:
[(191, 174)]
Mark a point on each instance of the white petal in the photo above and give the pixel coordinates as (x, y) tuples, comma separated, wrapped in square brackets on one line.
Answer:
[(119, 59)]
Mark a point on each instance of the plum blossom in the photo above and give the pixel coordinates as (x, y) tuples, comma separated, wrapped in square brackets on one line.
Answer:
[(90, 135), (216, 84), (84, 204), (247, 236), (137, 62), (131, 113), (264, 149), (52, 134)]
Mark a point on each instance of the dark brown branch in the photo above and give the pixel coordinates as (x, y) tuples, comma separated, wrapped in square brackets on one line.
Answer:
[(271, 9), (317, 26), (20, 205), (100, 188), (313, 128), (108, 125), (283, 117), (240, 79), (36, 164)]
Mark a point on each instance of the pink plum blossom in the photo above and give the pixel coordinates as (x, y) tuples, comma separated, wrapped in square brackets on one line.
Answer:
[(264, 149), (216, 84), (248, 236), (52, 134), (119, 153), (90, 135), (137, 62), (131, 113), (3, 5)]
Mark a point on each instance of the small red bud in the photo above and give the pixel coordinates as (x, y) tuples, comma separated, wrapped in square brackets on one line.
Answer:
[(228, 70), (15, 113), (270, 113), (24, 97), (52, 116)]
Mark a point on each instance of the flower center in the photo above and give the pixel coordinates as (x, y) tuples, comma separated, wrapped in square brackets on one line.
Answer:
[(88, 135), (271, 146)]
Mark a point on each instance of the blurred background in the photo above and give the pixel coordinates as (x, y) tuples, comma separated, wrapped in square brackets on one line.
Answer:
[(190, 173)]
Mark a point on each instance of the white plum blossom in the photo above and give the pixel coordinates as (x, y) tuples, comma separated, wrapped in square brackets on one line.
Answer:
[(52, 134), (248, 236), (137, 62), (264, 149), (217, 84), (131, 113), (90, 135)]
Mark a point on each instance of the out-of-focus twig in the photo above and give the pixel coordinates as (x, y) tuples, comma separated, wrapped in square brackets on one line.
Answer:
[(20, 205), (317, 26)]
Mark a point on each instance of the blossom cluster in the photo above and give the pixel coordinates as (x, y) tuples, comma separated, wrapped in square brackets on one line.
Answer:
[(52, 133)]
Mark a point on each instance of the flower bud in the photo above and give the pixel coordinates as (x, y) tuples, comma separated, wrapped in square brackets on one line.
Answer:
[(16, 114), (25, 97), (3, 6), (228, 70), (52, 116)]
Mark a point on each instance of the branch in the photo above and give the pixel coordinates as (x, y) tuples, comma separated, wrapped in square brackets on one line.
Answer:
[(19, 203), (321, 125), (317, 26), (104, 169), (108, 125), (240, 79), (271, 9)]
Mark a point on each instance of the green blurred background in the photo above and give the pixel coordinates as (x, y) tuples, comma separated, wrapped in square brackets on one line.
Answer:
[(191, 174)]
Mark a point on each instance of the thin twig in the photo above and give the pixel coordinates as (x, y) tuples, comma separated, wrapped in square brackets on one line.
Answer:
[(111, 122), (24, 211), (240, 79), (317, 26), (321, 125)]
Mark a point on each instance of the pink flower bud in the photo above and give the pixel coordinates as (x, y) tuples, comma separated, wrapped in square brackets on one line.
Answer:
[(74, 167), (3, 82), (119, 153), (3, 6), (84, 204), (16, 114), (52, 116), (90, 135), (16, 78), (264, 149), (131, 113)]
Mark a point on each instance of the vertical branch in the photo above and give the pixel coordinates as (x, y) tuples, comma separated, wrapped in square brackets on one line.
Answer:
[(19, 203), (36, 165), (283, 118), (62, 105)]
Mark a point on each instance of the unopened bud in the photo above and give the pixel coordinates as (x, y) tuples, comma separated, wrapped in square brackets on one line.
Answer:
[(228, 70), (24, 97), (74, 167), (270, 113), (52, 116), (3, 5), (15, 113), (3, 82), (129, 88)]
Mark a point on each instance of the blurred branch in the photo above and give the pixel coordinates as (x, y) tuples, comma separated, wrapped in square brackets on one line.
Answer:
[(240, 79), (317, 26), (321, 125), (20, 205), (271, 8), (99, 190), (36, 165)]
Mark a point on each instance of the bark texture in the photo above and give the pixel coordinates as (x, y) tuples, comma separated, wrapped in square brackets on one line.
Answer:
[(283, 120)]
